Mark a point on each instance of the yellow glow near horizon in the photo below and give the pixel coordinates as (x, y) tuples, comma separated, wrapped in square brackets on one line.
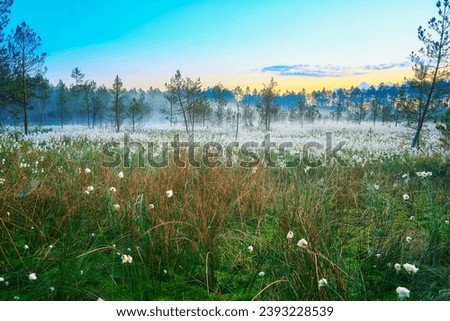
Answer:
[(256, 80)]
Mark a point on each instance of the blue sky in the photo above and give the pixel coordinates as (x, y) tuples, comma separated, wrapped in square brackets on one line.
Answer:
[(302, 44)]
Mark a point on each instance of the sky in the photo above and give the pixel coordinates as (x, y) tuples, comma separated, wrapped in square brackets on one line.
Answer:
[(301, 44)]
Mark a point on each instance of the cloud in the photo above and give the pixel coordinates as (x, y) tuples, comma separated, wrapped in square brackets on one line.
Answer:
[(329, 70), (387, 66)]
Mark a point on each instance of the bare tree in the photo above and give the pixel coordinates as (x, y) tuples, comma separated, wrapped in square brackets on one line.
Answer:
[(188, 96), (432, 60), (238, 96)]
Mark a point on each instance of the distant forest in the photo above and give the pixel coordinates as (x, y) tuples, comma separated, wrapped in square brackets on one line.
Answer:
[(85, 103)]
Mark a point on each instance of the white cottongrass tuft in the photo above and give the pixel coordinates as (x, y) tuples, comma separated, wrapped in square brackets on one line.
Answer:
[(410, 268), (261, 274), (169, 193), (447, 222), (126, 258), (323, 282), (402, 292), (405, 197), (302, 243), (32, 277), (250, 248), (87, 170), (378, 255), (376, 186), (2, 279), (120, 175), (424, 174), (116, 207), (290, 235), (397, 266), (26, 247), (51, 289), (408, 239)]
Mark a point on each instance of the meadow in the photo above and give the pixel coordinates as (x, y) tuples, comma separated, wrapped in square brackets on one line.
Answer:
[(376, 228)]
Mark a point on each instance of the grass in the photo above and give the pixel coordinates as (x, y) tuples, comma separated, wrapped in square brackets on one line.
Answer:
[(193, 245)]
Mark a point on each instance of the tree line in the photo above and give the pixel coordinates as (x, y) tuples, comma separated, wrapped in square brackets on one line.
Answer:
[(27, 96)]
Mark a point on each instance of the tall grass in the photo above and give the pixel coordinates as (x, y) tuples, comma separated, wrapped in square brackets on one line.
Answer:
[(194, 245)]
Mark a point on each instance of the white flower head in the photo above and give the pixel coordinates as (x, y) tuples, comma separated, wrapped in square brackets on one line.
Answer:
[(397, 266), (250, 248), (2, 279), (402, 292), (261, 274), (112, 189), (126, 258), (412, 218), (32, 277), (151, 206), (323, 282), (378, 255), (302, 243), (100, 299), (254, 170), (50, 246), (376, 186), (51, 289), (169, 193), (405, 197), (447, 222), (408, 239), (87, 170), (116, 207), (16, 298), (405, 176), (290, 235), (120, 175), (26, 247), (410, 268)]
